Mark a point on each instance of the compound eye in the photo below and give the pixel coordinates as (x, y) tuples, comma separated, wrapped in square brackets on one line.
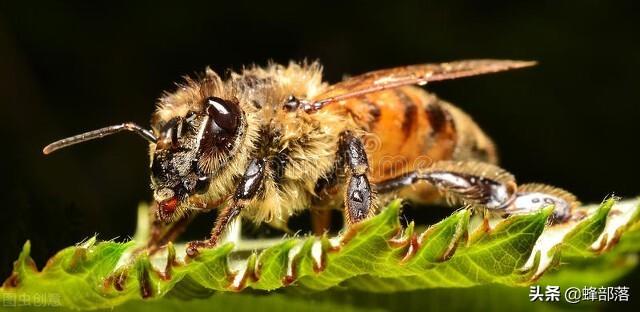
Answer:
[(221, 127), (224, 113), (156, 171)]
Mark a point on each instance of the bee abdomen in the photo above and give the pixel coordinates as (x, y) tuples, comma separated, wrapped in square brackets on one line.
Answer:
[(408, 129)]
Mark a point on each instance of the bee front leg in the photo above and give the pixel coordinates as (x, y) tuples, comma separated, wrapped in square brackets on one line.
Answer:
[(161, 233), (359, 195), (249, 186)]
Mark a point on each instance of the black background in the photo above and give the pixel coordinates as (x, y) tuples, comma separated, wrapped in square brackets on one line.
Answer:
[(68, 66)]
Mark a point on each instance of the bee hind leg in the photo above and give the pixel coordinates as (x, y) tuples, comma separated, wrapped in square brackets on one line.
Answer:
[(473, 183), (247, 189), (487, 186), (533, 196)]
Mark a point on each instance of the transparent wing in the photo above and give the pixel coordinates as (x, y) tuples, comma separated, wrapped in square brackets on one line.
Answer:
[(414, 74)]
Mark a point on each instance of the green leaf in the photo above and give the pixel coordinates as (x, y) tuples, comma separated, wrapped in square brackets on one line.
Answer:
[(479, 298), (377, 255)]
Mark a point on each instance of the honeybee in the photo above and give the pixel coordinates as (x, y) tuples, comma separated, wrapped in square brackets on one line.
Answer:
[(268, 142)]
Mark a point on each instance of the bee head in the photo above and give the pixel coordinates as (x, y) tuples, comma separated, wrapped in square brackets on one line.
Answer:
[(190, 151), (196, 131)]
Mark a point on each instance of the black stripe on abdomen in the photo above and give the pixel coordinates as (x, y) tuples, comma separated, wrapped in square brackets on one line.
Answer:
[(436, 115), (410, 111)]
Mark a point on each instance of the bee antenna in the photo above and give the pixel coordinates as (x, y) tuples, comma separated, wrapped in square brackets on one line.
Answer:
[(100, 133)]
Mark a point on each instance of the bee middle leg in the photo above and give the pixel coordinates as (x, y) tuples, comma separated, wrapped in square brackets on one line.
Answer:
[(359, 194), (248, 187), (358, 197)]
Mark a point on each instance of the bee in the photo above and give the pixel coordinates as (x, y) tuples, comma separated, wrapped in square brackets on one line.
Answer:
[(268, 142)]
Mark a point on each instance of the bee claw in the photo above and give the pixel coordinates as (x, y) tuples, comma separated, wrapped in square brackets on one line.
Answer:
[(193, 247)]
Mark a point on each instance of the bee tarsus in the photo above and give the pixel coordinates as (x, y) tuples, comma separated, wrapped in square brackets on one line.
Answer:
[(249, 186)]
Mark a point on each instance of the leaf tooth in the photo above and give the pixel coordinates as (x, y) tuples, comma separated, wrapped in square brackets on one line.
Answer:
[(293, 259), (403, 237), (412, 247), (388, 218), (316, 255), (405, 243), (461, 235), (528, 273), (486, 230), (251, 267), (118, 279), (546, 247), (210, 269), (391, 212), (619, 218), (555, 261), (439, 241), (24, 259), (481, 227), (89, 242), (217, 258), (563, 238), (21, 267), (171, 254), (275, 259), (319, 252), (79, 255), (578, 239), (325, 243), (307, 254), (614, 240), (245, 273), (142, 267), (13, 281), (334, 243), (600, 245), (170, 258)]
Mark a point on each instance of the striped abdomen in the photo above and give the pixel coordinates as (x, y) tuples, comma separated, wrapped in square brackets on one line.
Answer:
[(408, 128)]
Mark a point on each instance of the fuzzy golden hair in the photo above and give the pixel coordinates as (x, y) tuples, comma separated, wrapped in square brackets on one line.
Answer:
[(311, 140)]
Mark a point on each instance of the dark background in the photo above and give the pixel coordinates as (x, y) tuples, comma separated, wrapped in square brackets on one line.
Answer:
[(67, 66)]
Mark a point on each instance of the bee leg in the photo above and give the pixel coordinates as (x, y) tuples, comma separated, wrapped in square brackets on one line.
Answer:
[(532, 197), (320, 221), (359, 196), (249, 186), (473, 183), (487, 186), (327, 189), (162, 233)]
